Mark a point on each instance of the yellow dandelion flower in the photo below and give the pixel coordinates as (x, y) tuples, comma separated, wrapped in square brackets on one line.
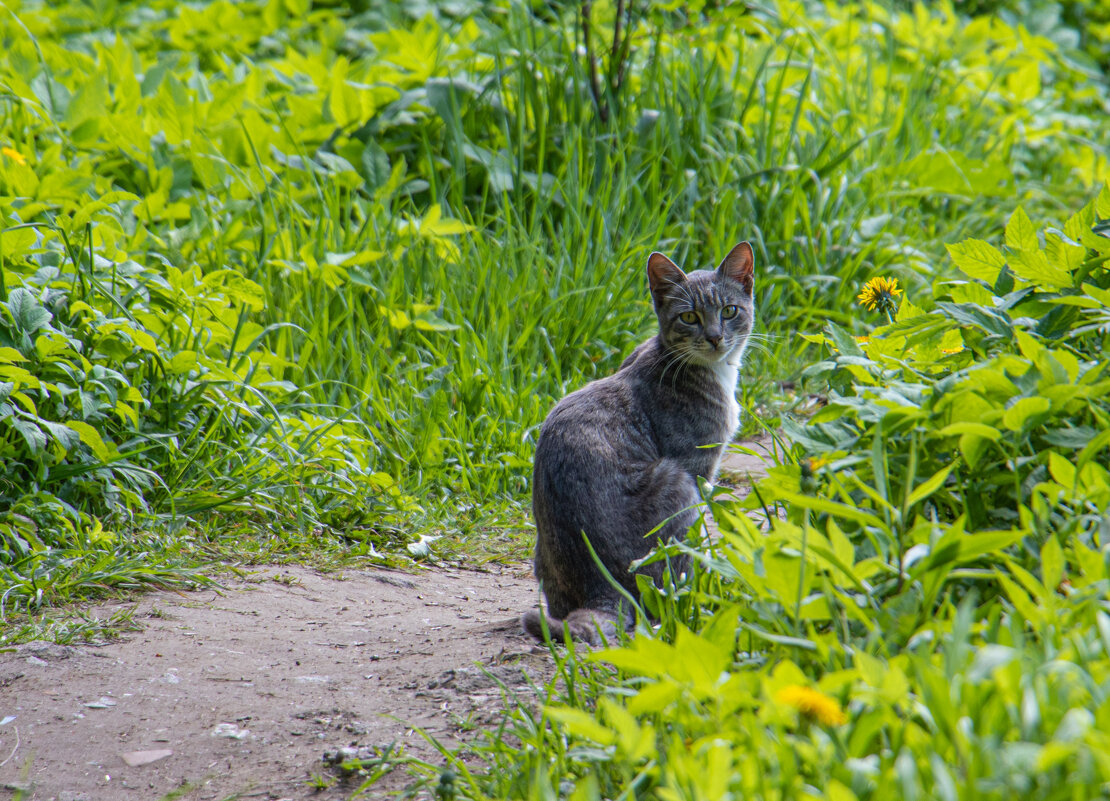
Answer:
[(817, 462), (13, 154), (812, 704), (881, 294)]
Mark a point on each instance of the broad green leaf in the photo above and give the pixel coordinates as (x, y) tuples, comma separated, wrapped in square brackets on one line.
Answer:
[(971, 292), (16, 240), (843, 341), (1033, 266), (1052, 562), (979, 317), (32, 435), (396, 317), (636, 741), (1024, 83), (1061, 469), (978, 429), (580, 724), (1100, 441), (91, 437), (1020, 233), (654, 698), (1062, 254), (1098, 293), (65, 436), (1025, 412), (978, 259), (26, 311)]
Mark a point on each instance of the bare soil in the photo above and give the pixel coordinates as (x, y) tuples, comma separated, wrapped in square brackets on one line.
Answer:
[(240, 692)]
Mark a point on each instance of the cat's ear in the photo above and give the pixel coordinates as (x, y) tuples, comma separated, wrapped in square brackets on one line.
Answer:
[(739, 265), (663, 273)]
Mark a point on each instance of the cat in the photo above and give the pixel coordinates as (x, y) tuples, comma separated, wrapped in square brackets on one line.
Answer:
[(622, 455)]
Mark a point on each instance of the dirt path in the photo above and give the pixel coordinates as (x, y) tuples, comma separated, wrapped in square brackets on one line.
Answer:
[(250, 686)]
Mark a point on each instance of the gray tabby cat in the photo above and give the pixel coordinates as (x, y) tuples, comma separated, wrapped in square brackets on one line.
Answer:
[(622, 455)]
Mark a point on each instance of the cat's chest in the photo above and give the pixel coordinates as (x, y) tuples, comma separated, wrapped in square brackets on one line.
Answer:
[(694, 422), (726, 376)]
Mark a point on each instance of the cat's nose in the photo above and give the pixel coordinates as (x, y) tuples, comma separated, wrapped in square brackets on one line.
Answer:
[(714, 340)]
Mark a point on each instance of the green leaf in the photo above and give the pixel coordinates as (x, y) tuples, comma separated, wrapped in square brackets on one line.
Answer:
[(91, 437), (977, 259), (1020, 233), (978, 317), (1100, 441), (17, 239), (972, 546), (26, 312), (972, 448), (32, 434), (1033, 266), (978, 429), (1062, 471), (923, 491), (1024, 83), (1025, 412), (1052, 563), (844, 342), (1023, 605), (1098, 293), (829, 507), (62, 434), (237, 287), (427, 321), (580, 724)]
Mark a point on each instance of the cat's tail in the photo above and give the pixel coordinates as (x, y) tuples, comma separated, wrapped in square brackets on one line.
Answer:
[(591, 626)]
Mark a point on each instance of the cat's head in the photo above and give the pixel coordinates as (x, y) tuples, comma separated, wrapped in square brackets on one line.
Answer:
[(705, 315)]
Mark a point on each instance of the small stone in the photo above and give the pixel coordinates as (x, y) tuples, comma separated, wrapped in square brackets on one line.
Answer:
[(230, 731), (104, 703), (136, 758)]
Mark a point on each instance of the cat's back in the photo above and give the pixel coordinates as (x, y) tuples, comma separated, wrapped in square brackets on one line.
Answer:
[(598, 423)]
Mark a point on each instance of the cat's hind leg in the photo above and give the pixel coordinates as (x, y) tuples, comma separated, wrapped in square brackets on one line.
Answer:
[(591, 626)]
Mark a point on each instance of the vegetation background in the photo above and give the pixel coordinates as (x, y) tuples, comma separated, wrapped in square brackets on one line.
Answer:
[(297, 279)]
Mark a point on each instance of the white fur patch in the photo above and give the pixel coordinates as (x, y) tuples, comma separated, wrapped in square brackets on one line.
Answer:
[(727, 373)]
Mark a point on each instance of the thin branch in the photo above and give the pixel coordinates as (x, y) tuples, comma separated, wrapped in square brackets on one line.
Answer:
[(626, 49), (595, 84), (614, 52)]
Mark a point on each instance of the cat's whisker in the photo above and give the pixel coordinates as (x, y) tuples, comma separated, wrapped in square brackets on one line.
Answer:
[(673, 358)]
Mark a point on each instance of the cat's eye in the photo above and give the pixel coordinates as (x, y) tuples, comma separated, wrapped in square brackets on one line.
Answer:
[(728, 312), (689, 317)]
